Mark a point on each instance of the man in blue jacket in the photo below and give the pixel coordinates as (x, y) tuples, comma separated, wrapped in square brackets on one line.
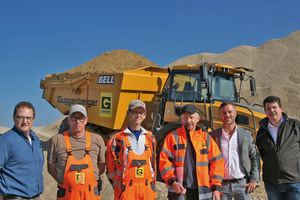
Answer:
[(21, 157), (278, 142)]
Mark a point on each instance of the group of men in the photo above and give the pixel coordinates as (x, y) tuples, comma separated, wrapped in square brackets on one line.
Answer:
[(194, 164)]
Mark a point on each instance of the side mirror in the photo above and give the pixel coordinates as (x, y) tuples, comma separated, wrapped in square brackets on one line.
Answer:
[(252, 86), (204, 75)]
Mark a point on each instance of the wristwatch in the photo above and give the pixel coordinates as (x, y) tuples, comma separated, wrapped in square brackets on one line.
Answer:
[(171, 181)]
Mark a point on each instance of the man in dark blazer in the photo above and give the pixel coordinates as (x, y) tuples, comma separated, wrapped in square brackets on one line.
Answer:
[(238, 149)]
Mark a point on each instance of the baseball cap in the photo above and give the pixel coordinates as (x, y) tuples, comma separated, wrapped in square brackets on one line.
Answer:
[(77, 108), (191, 108), (136, 103)]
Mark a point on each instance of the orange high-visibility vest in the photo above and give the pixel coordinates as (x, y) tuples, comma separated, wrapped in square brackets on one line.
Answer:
[(132, 175), (209, 160), (79, 179)]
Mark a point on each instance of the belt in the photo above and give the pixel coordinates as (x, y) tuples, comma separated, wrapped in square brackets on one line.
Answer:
[(233, 180), (11, 196)]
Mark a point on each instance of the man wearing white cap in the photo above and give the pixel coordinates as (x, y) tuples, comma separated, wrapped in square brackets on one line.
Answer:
[(76, 159), (131, 158)]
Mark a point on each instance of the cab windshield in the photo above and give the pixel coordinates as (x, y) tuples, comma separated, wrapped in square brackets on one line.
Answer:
[(186, 86)]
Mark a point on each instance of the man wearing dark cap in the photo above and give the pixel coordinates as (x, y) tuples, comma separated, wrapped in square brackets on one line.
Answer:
[(191, 163), (76, 159), (131, 158)]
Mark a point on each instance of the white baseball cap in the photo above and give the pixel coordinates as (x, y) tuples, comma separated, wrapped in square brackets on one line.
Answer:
[(77, 108)]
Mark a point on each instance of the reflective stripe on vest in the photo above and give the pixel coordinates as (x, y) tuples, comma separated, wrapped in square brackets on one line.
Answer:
[(202, 162), (125, 144)]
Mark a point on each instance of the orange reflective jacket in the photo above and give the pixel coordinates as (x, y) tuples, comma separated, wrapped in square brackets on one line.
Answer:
[(132, 175), (79, 179), (209, 160)]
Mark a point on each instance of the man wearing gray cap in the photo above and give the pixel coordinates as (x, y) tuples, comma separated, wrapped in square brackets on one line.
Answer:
[(131, 158), (76, 159)]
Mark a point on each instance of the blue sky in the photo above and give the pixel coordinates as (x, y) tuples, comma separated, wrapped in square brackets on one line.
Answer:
[(40, 37)]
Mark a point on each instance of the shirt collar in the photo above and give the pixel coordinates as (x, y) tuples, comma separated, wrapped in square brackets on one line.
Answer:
[(224, 135), (272, 126), (23, 134), (128, 131)]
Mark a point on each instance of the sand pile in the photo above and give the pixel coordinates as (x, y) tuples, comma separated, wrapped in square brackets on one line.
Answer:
[(275, 64), (113, 61)]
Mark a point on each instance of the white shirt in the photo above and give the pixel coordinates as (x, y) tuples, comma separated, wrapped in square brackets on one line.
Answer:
[(137, 146), (230, 152), (30, 141), (274, 129)]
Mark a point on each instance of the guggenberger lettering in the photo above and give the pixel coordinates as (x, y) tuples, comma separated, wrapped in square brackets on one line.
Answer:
[(69, 101), (108, 79)]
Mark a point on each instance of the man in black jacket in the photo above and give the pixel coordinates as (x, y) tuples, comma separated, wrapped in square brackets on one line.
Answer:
[(278, 142)]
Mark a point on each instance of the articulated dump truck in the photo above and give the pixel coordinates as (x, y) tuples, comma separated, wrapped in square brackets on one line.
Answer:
[(165, 92)]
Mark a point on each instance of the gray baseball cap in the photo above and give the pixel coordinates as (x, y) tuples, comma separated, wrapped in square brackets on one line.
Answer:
[(77, 108), (136, 103)]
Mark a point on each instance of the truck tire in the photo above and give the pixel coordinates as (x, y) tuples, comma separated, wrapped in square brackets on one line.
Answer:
[(164, 131), (64, 126)]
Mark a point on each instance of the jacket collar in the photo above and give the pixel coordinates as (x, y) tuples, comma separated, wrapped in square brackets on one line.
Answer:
[(127, 131), (187, 131), (264, 122)]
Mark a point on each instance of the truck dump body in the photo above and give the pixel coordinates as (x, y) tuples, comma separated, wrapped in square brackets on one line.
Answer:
[(165, 91), (106, 96)]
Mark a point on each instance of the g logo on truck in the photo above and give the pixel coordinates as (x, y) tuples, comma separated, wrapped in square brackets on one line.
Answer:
[(106, 105)]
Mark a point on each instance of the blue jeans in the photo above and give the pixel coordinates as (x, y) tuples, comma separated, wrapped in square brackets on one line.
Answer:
[(284, 191)]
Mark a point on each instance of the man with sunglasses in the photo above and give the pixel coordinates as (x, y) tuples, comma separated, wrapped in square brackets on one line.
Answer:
[(76, 159), (131, 158), (21, 157)]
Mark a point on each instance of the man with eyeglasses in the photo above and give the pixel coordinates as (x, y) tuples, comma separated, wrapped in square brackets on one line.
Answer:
[(131, 158), (76, 159), (21, 157)]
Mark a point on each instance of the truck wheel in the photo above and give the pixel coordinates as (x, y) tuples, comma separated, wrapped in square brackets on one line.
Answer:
[(64, 126), (164, 131)]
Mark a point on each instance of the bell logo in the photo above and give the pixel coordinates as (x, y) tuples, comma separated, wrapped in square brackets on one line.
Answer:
[(107, 79)]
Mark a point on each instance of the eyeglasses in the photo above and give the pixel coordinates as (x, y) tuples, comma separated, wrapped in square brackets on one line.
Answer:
[(136, 112), (74, 119), (22, 118)]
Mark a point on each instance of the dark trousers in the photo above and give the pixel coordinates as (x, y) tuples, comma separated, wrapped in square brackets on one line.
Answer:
[(191, 194), (14, 197)]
